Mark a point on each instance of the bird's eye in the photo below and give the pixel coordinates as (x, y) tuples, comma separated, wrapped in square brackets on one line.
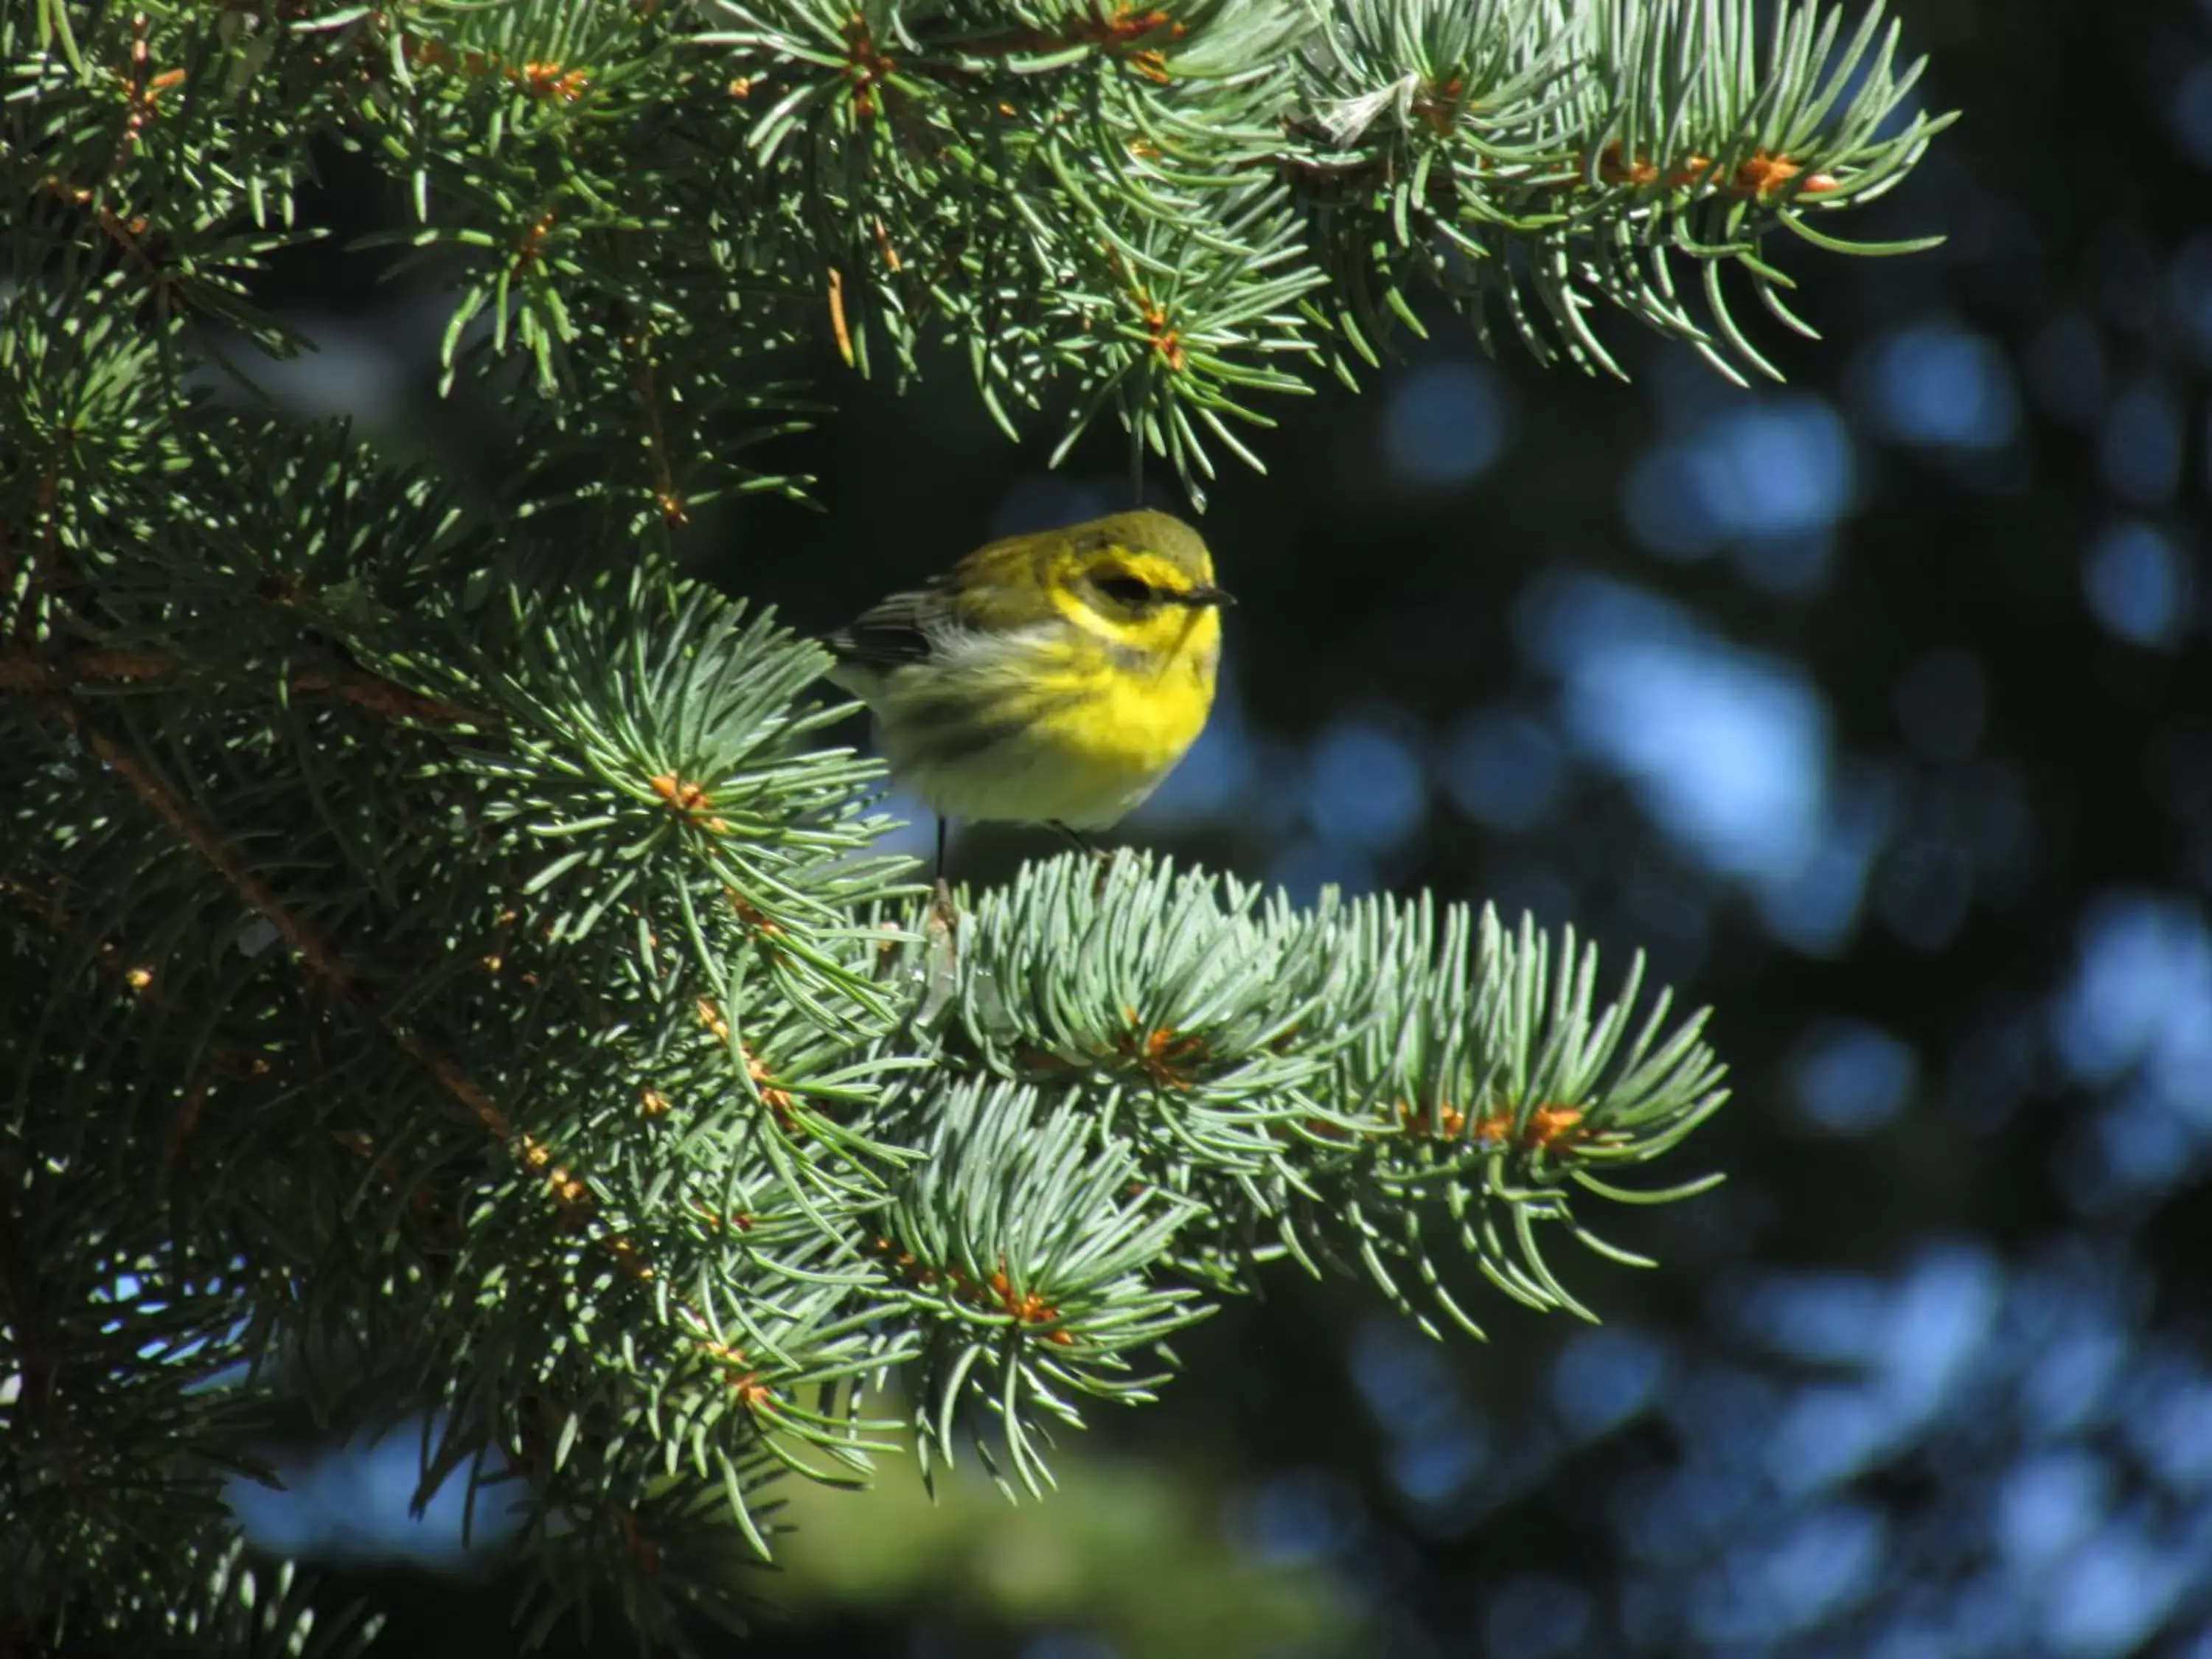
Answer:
[(1126, 590)]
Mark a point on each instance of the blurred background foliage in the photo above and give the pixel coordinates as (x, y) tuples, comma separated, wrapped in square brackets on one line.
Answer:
[(1876, 706)]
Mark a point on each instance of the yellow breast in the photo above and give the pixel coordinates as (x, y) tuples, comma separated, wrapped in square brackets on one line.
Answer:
[(1129, 717), (1111, 725), (1083, 732)]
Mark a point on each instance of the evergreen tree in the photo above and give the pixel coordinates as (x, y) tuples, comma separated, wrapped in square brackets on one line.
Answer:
[(447, 972)]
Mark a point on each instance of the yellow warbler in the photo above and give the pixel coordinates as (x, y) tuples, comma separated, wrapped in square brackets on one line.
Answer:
[(1049, 678)]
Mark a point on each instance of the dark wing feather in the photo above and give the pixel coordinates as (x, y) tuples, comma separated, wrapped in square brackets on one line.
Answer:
[(899, 629)]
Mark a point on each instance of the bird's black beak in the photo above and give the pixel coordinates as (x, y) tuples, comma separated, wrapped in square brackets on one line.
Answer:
[(1213, 596)]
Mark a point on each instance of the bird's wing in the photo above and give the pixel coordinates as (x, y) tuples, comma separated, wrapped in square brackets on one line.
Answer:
[(901, 628)]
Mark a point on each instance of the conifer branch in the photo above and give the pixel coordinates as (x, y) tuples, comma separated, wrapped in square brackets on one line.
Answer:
[(448, 973)]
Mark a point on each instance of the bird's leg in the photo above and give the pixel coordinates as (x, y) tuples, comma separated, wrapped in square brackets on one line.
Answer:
[(1082, 841), (1104, 855)]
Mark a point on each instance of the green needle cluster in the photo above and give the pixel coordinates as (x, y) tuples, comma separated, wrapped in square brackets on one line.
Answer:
[(446, 973)]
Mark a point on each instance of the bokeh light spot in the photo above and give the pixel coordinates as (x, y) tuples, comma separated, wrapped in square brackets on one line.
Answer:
[(1446, 423), (2141, 995), (2141, 450), (1727, 747), (1366, 787), (1674, 500), (1537, 1617), (1505, 770), (1939, 385), (1938, 1319), (2138, 583), (1296, 1518), (2049, 1503), (1773, 477), (1813, 908), (1603, 1378), (2113, 1591), (2192, 113), (1405, 1380), (2168, 1417), (1823, 1318), (1435, 1470), (1826, 1436), (1790, 461), (2188, 291), (2067, 1385), (1789, 1578), (1851, 1077)]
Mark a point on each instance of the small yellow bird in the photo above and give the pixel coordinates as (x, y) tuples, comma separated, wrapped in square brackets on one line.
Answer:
[(1050, 679)]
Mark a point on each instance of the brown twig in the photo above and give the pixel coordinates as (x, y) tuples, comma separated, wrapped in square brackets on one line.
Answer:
[(25, 670), (321, 960), (642, 379)]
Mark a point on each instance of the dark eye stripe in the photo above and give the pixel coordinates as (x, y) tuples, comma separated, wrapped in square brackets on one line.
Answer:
[(1129, 590)]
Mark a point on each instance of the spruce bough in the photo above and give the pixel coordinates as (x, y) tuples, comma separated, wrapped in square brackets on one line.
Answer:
[(445, 972)]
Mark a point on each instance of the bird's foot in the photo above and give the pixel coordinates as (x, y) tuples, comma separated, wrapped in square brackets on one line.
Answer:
[(944, 920), (1103, 856)]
